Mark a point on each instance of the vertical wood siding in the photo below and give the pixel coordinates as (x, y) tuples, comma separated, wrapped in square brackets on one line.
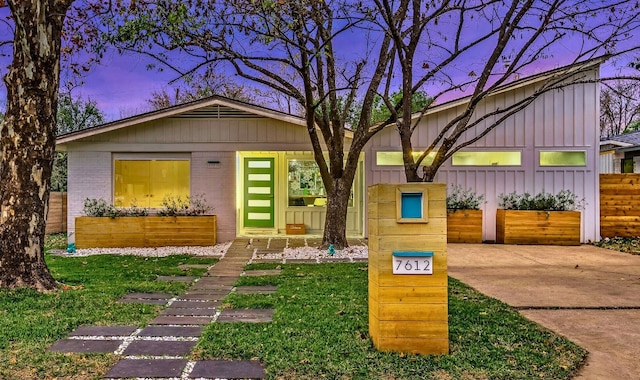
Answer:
[(57, 213), (559, 120), (620, 205)]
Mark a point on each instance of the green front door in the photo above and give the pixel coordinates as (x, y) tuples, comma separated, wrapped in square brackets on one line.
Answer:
[(258, 192)]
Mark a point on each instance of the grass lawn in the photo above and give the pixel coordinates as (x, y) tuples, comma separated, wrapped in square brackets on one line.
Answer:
[(319, 329), (30, 322)]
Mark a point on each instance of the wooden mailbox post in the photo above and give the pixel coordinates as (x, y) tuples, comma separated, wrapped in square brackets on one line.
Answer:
[(408, 268)]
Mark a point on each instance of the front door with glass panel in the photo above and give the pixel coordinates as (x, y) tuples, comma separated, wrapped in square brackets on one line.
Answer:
[(258, 192)]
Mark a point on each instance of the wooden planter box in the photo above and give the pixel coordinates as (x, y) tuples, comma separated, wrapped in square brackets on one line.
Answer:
[(464, 226), (145, 231), (538, 227)]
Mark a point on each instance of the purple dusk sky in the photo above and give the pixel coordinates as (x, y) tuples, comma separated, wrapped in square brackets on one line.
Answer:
[(122, 84)]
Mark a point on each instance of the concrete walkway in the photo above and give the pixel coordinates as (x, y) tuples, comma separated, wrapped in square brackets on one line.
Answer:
[(588, 294)]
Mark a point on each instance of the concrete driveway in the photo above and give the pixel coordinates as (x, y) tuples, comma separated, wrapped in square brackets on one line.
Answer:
[(588, 294)]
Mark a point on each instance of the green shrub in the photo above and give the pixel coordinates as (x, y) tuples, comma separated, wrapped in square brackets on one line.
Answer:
[(461, 199), (565, 200), (101, 208), (187, 206)]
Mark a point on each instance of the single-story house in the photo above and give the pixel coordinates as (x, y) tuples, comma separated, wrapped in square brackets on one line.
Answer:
[(620, 154), (255, 165)]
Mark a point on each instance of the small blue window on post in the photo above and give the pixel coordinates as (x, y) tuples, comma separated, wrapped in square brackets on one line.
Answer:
[(411, 205)]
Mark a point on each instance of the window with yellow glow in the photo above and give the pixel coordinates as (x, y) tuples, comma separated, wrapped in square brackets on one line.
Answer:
[(305, 186), (395, 158), (563, 158), (487, 159), (146, 183)]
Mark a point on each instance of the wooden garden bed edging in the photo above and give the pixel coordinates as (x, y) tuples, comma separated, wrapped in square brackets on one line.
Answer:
[(145, 231), (464, 226), (538, 227)]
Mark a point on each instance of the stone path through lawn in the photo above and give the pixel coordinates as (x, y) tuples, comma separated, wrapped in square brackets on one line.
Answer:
[(161, 350)]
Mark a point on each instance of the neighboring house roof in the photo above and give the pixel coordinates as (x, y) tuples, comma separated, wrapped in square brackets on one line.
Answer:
[(625, 142), (214, 107)]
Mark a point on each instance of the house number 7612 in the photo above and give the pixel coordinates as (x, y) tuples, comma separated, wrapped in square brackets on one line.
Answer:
[(413, 265)]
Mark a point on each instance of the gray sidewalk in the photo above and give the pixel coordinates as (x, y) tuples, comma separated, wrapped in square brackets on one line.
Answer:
[(588, 294)]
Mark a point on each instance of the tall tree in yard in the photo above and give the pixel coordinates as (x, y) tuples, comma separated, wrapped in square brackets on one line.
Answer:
[(482, 45), (286, 46), (27, 134), (619, 108)]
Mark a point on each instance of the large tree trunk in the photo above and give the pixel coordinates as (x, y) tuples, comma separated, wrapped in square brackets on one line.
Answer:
[(335, 224), (27, 135)]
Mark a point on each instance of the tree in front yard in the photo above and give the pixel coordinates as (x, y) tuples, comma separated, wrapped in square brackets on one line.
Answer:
[(290, 47), (619, 108), (475, 47), (27, 136)]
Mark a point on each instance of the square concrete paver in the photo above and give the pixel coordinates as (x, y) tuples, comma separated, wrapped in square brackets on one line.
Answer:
[(104, 331), (147, 298), (158, 348), (246, 315), (279, 244), (211, 285), (202, 297), (314, 242), (223, 369), (189, 312), (81, 345), (256, 289), (194, 304), (128, 368), (218, 279), (180, 331), (259, 243), (297, 243), (172, 320)]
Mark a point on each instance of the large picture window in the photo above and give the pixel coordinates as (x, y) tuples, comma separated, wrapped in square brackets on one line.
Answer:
[(146, 183), (305, 187)]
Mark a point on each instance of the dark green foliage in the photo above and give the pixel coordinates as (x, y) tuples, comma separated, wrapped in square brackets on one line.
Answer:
[(100, 208), (565, 200), (73, 115), (463, 199), (187, 206), (622, 244)]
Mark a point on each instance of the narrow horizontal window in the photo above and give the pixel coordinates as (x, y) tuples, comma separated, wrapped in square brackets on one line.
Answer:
[(487, 159), (563, 158), (395, 158)]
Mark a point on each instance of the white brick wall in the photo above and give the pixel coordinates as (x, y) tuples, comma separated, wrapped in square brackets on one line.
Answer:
[(217, 183), (89, 176)]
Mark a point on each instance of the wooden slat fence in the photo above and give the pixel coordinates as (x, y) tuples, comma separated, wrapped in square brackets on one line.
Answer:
[(619, 205), (57, 217)]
